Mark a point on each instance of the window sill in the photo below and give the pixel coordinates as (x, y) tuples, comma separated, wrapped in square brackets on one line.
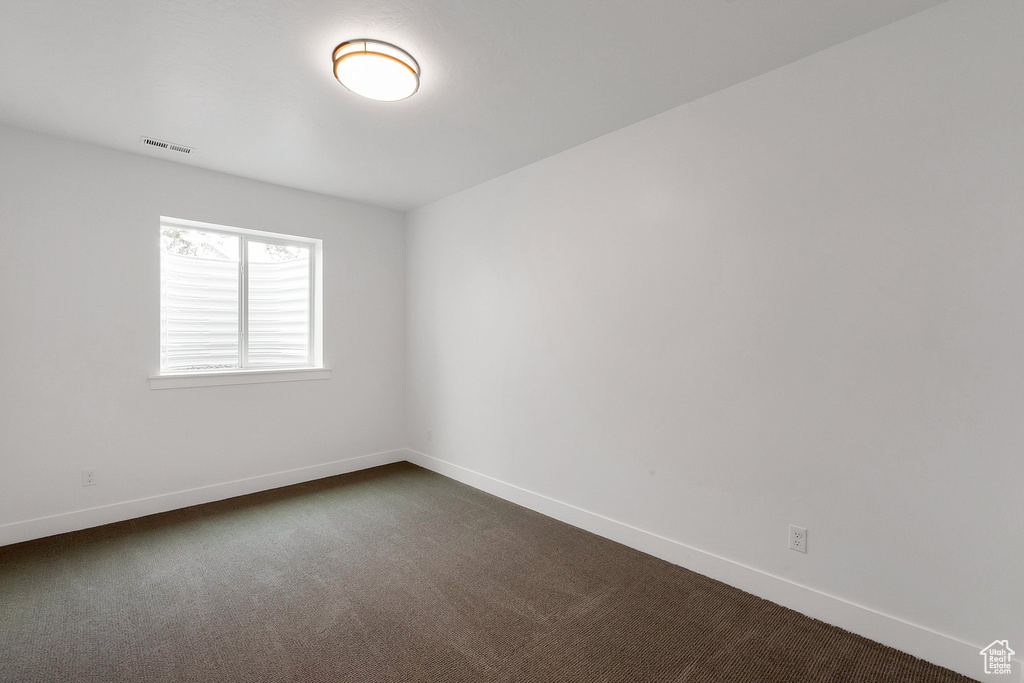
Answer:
[(216, 379)]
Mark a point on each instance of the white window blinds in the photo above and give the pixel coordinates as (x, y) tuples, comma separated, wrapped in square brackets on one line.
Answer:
[(278, 312), (233, 301)]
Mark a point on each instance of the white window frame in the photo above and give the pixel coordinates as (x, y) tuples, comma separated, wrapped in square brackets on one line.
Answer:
[(245, 374)]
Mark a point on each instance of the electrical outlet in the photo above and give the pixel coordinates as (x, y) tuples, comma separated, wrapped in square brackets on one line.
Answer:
[(88, 477), (797, 538)]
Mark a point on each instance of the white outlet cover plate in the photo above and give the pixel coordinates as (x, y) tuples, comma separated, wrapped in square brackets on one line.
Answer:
[(797, 538)]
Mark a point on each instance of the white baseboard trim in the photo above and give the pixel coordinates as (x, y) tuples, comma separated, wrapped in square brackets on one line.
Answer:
[(917, 640), (16, 532)]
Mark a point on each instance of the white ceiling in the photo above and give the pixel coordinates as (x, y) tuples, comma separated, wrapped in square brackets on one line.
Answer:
[(248, 83)]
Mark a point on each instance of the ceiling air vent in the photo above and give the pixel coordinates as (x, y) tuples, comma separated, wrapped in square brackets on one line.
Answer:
[(163, 144)]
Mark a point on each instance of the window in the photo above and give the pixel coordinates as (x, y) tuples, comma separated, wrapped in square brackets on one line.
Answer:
[(235, 300)]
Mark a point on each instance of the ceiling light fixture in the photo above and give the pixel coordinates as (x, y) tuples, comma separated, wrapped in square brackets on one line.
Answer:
[(377, 70)]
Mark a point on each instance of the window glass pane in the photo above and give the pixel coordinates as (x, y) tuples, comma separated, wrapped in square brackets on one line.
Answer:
[(198, 300), (279, 304)]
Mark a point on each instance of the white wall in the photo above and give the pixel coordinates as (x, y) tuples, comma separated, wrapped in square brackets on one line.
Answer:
[(799, 300), (79, 323)]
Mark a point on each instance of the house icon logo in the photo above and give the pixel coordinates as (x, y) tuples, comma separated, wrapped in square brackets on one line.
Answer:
[(997, 657)]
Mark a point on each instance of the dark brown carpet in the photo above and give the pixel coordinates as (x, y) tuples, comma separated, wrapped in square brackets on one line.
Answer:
[(394, 574)]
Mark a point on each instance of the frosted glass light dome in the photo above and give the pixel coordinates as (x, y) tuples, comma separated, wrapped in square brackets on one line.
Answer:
[(377, 70)]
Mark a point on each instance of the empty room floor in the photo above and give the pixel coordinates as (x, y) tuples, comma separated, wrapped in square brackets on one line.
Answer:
[(394, 574)]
